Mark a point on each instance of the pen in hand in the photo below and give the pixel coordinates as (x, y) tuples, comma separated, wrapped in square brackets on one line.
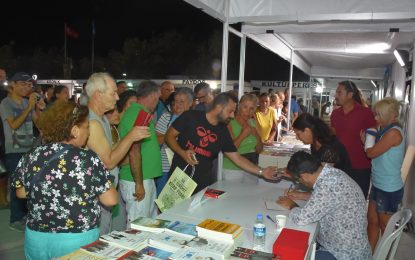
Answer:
[(289, 189)]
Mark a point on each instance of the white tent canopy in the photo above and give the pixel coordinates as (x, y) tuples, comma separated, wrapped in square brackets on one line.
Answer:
[(330, 38)]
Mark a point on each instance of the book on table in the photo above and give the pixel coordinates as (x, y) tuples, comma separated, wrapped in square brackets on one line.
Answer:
[(160, 225), (220, 248), (193, 254), (105, 250), (130, 239), (246, 253), (214, 193), (80, 255), (211, 228), (168, 240), (148, 252)]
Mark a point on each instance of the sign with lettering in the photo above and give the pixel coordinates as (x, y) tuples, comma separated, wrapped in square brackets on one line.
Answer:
[(282, 84)]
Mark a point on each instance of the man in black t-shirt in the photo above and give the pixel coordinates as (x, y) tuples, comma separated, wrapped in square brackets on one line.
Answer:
[(197, 137)]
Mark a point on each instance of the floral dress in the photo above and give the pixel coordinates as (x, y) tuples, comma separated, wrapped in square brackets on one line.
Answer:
[(64, 199)]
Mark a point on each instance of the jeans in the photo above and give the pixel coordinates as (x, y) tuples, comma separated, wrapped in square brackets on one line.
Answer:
[(161, 182), (18, 207), (324, 255)]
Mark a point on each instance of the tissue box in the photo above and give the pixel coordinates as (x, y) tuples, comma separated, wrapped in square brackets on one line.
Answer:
[(291, 244)]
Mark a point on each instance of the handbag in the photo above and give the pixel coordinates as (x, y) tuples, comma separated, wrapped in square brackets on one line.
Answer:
[(179, 187)]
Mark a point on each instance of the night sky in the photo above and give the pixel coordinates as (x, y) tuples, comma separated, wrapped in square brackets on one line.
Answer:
[(41, 24)]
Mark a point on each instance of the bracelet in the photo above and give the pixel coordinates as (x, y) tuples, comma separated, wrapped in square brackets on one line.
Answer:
[(260, 172)]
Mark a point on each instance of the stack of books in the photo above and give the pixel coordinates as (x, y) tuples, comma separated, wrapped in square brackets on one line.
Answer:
[(224, 231)]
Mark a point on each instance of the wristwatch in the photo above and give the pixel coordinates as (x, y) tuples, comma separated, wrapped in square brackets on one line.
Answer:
[(260, 172)]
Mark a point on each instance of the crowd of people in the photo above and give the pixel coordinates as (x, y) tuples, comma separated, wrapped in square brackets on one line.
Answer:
[(90, 160)]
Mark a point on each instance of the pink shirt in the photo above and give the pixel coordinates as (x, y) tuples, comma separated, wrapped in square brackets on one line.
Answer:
[(348, 127)]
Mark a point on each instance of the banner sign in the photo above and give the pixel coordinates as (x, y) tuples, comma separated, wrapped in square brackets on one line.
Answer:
[(281, 84)]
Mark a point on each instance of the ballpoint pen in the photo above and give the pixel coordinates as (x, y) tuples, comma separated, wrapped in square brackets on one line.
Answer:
[(289, 189), (268, 217)]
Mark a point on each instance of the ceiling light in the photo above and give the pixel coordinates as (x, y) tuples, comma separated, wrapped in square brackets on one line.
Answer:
[(378, 48), (373, 83), (398, 57)]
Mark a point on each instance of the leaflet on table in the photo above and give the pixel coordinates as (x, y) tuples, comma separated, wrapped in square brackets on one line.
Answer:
[(160, 225), (193, 254), (131, 238), (219, 247), (168, 240)]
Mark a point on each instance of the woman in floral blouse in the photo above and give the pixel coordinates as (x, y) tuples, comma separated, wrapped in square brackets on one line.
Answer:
[(63, 184)]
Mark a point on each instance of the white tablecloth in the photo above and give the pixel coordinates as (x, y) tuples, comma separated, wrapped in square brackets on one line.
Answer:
[(241, 205)]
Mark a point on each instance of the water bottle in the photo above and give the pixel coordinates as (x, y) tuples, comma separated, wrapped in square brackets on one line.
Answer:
[(259, 233)]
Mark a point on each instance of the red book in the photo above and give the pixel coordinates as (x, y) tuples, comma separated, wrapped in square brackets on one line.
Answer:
[(143, 118), (214, 193), (291, 244)]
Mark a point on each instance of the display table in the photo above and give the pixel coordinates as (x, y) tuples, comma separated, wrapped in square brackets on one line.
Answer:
[(240, 205), (279, 154)]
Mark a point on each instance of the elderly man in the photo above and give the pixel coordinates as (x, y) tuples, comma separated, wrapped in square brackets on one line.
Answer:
[(166, 89), (137, 178), (18, 115), (102, 94), (197, 137), (336, 202)]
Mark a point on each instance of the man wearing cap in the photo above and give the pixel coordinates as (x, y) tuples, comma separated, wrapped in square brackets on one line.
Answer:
[(18, 115)]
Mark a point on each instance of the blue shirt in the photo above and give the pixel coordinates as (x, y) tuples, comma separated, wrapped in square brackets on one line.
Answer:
[(386, 168)]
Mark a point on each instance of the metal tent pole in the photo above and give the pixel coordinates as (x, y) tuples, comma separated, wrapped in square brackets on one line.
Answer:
[(224, 72), (242, 67)]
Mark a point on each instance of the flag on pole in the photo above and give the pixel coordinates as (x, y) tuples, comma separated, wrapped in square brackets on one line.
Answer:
[(93, 27), (70, 32)]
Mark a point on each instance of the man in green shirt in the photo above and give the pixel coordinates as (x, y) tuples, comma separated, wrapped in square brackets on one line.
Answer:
[(137, 179)]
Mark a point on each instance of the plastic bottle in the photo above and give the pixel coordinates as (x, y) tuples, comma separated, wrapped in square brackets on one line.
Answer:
[(259, 233)]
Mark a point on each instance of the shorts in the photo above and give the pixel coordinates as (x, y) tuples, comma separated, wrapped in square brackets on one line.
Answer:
[(386, 202)]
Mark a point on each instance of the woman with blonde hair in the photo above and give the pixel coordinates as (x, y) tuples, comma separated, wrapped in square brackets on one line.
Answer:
[(387, 156)]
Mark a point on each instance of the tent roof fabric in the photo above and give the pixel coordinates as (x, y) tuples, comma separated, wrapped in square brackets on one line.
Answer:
[(350, 39)]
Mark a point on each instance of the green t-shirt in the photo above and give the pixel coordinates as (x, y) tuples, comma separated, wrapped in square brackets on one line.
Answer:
[(247, 145), (150, 149)]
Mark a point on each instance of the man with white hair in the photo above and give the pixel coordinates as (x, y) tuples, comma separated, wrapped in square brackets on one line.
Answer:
[(102, 94)]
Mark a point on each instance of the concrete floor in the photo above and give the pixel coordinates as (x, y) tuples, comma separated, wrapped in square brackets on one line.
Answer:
[(11, 242)]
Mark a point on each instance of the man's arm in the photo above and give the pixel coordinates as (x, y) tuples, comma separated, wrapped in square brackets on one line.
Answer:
[(98, 143), (136, 170), (171, 140), (16, 122), (248, 166)]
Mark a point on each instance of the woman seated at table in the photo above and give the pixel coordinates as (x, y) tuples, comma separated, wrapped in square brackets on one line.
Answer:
[(63, 184), (324, 145), (246, 139), (387, 157)]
